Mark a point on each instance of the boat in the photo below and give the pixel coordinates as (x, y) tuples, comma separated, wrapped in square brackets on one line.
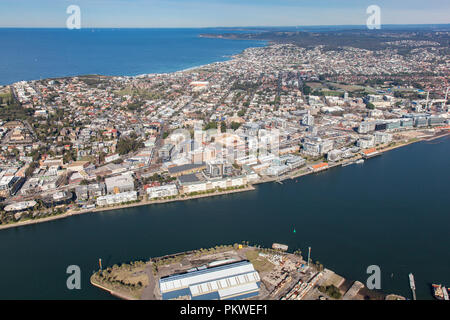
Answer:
[(438, 291), (411, 282), (445, 291), (360, 161)]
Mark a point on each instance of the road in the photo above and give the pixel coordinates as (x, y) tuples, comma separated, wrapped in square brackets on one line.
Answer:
[(148, 293)]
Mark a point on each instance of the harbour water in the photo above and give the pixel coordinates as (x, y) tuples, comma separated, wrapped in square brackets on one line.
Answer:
[(391, 211)]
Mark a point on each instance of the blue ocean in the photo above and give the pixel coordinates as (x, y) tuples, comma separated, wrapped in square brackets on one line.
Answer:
[(30, 54)]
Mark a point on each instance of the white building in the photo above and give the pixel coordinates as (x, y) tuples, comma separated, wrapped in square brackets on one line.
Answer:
[(382, 137), (53, 170), (162, 191), (198, 186), (19, 206), (375, 113), (311, 148), (334, 155), (249, 160), (325, 146), (366, 142), (117, 198), (366, 126), (201, 186), (122, 183), (317, 146), (238, 280), (6, 182), (276, 170)]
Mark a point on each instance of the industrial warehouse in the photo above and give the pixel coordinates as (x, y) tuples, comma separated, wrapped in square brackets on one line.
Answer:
[(233, 281)]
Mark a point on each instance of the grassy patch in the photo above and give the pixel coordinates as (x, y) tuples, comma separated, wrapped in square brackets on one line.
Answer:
[(315, 85), (129, 279), (252, 255), (261, 264), (331, 291)]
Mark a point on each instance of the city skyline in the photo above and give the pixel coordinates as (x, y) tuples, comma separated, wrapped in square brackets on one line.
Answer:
[(217, 13)]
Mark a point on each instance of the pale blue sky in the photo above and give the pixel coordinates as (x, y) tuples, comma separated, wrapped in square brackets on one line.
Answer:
[(212, 13)]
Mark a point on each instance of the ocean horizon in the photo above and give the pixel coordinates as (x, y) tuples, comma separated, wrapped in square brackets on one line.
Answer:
[(33, 54), (39, 53), (336, 27)]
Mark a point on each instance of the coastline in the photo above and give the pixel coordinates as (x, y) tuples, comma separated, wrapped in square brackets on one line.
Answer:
[(124, 206), (110, 291), (290, 175), (189, 69)]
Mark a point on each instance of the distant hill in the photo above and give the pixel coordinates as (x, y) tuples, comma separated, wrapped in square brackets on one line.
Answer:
[(357, 38)]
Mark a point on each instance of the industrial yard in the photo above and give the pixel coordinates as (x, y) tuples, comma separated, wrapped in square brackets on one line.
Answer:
[(230, 272)]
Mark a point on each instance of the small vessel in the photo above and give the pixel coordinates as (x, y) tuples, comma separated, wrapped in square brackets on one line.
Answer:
[(412, 284), (360, 161), (438, 291), (445, 291)]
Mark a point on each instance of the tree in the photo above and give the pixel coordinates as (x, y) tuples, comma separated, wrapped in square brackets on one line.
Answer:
[(128, 144), (211, 125), (306, 90), (235, 125), (30, 169), (101, 157), (370, 106), (223, 127), (331, 290), (69, 156)]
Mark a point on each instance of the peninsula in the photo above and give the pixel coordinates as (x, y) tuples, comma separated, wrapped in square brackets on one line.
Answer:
[(238, 271)]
